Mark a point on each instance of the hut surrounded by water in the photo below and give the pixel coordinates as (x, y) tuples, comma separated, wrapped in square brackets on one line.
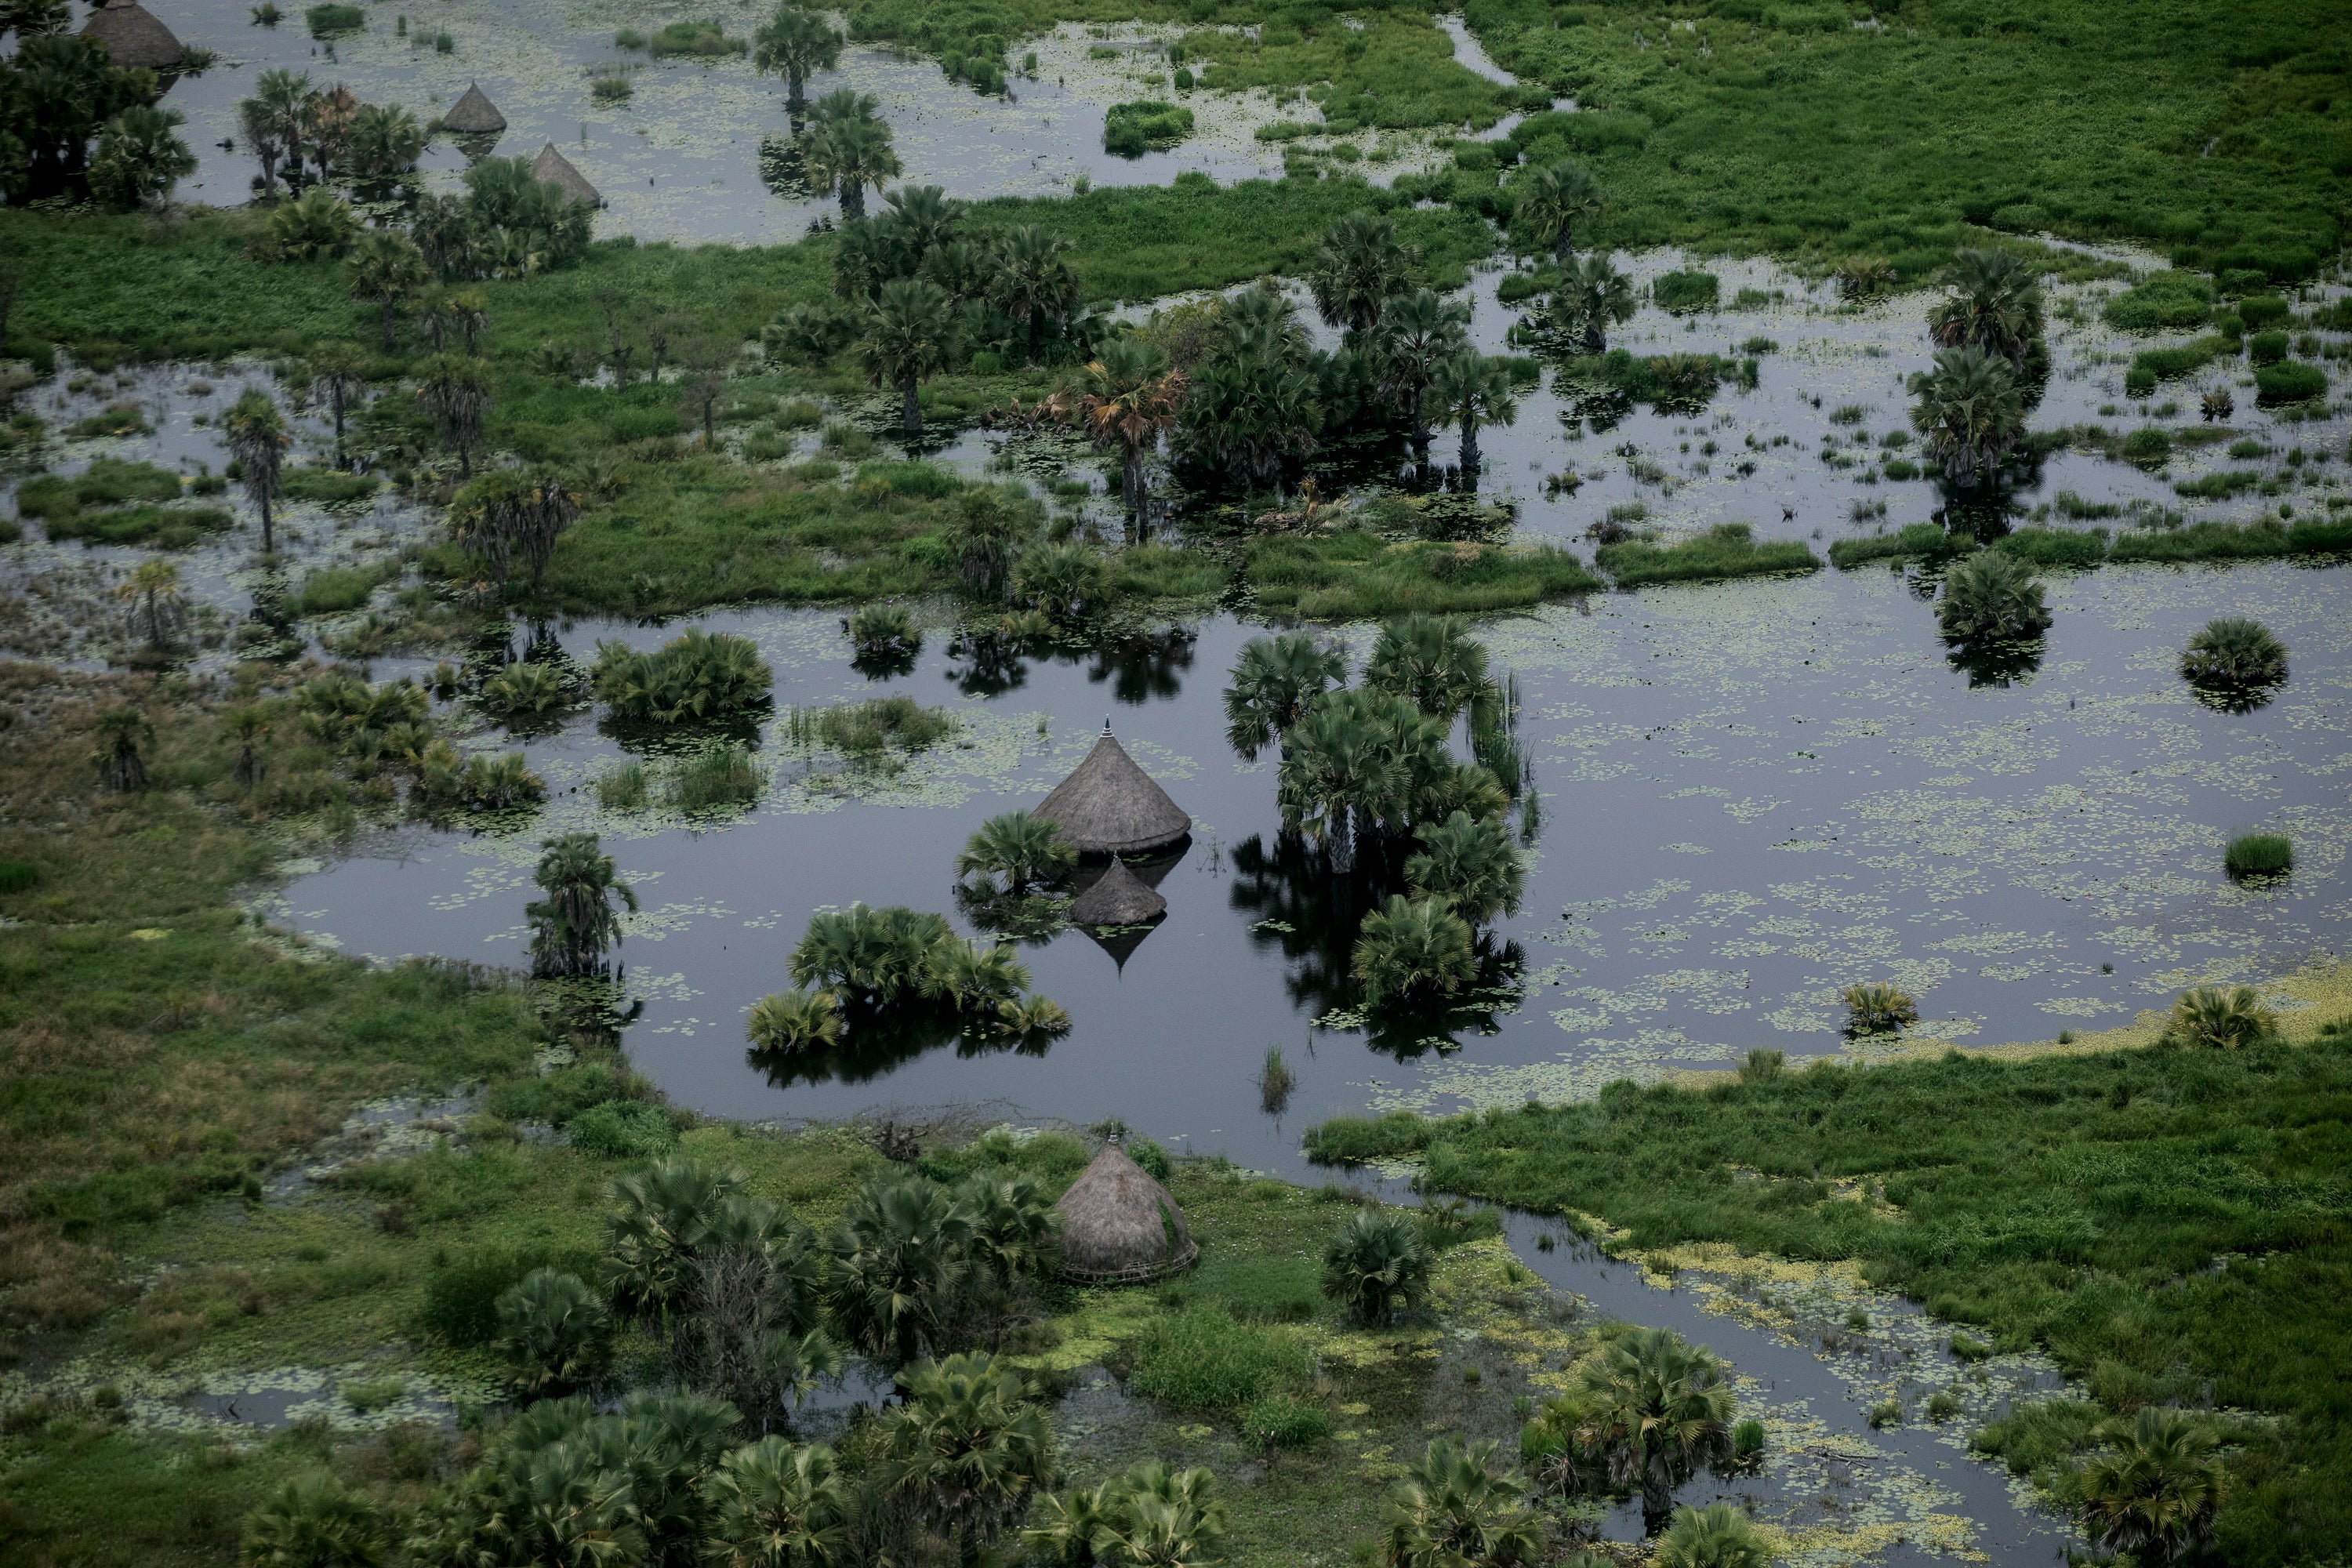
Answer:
[(1120, 1226), (475, 115), (133, 36), (1108, 806), (551, 167), (1119, 898)]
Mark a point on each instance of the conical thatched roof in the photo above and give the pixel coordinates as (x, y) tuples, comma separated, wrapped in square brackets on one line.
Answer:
[(1120, 1226), (1119, 898), (132, 37), (1110, 806), (554, 168), (474, 114)]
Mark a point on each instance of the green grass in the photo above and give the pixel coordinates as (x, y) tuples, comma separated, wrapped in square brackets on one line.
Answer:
[(2258, 855), (2190, 125), (165, 527), (108, 481), (1398, 72), (1913, 542), (2079, 1202), (1727, 550), (1202, 1360), (694, 40), (1354, 575), (2265, 539), (1131, 129), (333, 589), (327, 487)]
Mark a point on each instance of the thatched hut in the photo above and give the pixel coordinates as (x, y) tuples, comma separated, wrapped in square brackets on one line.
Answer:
[(1110, 806), (1119, 898), (133, 36), (474, 115), (551, 167), (1120, 1226)]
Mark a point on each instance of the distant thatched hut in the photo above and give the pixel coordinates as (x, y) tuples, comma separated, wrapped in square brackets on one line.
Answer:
[(1120, 1226), (474, 115), (551, 167), (133, 36), (1119, 898), (1110, 806)]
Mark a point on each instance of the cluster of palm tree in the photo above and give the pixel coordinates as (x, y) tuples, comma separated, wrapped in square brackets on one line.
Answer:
[(1367, 766), (510, 520), (866, 971), (752, 1312), (1582, 296), (1991, 362), (845, 148), (696, 677), (308, 135), (1149, 1517), (141, 157), (58, 94), (579, 920), (386, 732)]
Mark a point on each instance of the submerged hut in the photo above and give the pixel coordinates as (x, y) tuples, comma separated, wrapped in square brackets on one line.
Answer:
[(551, 167), (1110, 806), (133, 36), (1119, 898), (474, 115), (1120, 1226)]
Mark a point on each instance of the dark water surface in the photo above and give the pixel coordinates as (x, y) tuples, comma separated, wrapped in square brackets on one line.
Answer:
[(1752, 795)]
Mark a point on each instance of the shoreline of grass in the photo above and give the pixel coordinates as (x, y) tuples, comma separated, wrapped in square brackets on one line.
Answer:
[(1726, 551), (2263, 539)]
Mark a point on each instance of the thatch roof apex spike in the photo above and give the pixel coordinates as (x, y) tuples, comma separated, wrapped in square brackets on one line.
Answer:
[(1120, 1226)]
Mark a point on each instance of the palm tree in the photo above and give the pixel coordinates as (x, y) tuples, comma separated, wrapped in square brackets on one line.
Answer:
[(576, 923), (2156, 1493), (512, 517), (1550, 201), (271, 121), (553, 1331), (456, 391), (315, 1520), (158, 605), (1376, 1266), (899, 1261), (385, 143), (1418, 331), (847, 147), (1590, 296), (1659, 1408), (921, 218), (1019, 847), (1468, 864), (1033, 283), (1276, 681), (1342, 770), (966, 269), (339, 379), (659, 1229), (1251, 412), (1411, 951), (968, 1448), (1358, 267), (776, 1505), (1009, 1221), (1994, 303), (1970, 411), (1432, 662), (251, 724), (1717, 1536), (1454, 1509), (1470, 388), (119, 766), (386, 269), (257, 438), (141, 157), (1127, 398), (795, 45), (909, 331), (1993, 593)]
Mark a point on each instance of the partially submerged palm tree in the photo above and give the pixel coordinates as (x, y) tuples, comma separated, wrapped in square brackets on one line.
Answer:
[(271, 121), (1277, 681), (2233, 652), (1418, 331), (795, 45), (1717, 1536), (1993, 593), (1358, 269), (1455, 1508), (257, 439), (1552, 200), (1590, 297), (1019, 847), (158, 604), (794, 1021), (1432, 662), (1970, 412), (1468, 864), (1993, 303), (1127, 397), (1472, 389), (2155, 1494), (1659, 1408), (576, 923), (1034, 282), (1376, 1266), (1873, 1007), (1413, 951), (847, 147), (908, 335)]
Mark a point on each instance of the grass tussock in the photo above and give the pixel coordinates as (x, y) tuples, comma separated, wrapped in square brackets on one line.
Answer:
[(1727, 550), (1356, 575)]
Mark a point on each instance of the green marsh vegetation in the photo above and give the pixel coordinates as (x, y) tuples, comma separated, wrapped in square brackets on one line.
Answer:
[(1988, 1226)]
